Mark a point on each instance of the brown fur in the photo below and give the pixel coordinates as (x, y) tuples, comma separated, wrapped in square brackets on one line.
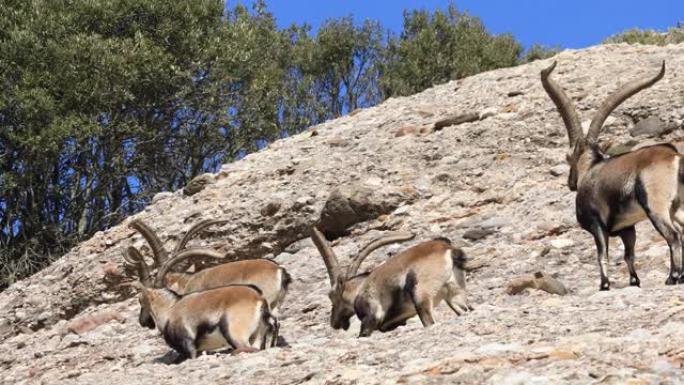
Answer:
[(409, 283), (613, 194), (425, 273), (267, 275), (262, 273), (232, 316)]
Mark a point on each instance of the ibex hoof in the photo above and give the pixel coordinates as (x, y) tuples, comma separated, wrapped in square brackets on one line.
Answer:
[(671, 280), (681, 279), (605, 286), (634, 282)]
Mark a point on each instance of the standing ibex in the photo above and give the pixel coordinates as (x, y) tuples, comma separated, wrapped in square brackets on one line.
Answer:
[(409, 283), (272, 279), (613, 194)]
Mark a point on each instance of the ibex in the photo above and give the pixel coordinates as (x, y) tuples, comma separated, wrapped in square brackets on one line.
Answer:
[(236, 316), (614, 194), (409, 283), (272, 279)]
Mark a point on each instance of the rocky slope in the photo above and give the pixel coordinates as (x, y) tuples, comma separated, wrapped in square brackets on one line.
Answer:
[(494, 184)]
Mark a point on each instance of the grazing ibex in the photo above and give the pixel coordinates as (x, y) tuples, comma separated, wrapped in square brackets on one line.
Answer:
[(272, 279), (231, 316), (409, 283), (613, 194)]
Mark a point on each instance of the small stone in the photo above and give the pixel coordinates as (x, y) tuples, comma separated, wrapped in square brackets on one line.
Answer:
[(561, 243), (455, 120), (477, 234), (373, 181), (198, 184), (407, 130), (558, 170), (508, 116), (563, 355), (494, 223), (403, 210), (271, 208), (337, 142), (651, 126), (552, 302), (71, 340), (161, 196), (487, 113)]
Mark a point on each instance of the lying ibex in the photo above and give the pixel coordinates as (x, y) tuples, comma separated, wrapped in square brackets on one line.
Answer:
[(409, 283), (272, 279), (613, 194), (231, 316)]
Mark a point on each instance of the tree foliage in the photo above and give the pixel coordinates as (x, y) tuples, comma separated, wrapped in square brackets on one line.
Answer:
[(538, 52), (674, 35), (437, 47)]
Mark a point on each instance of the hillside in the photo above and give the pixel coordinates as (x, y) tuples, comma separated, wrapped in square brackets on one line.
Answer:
[(501, 178)]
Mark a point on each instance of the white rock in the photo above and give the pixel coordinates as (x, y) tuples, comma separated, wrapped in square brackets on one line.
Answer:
[(561, 243)]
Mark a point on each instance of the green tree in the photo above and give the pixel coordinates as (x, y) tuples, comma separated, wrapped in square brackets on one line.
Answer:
[(107, 102), (341, 61), (674, 35), (538, 52), (437, 47)]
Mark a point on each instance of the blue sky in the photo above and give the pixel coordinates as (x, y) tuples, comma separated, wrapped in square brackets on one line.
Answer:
[(564, 23)]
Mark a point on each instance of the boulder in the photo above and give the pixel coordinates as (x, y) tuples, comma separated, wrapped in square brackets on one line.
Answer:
[(352, 204), (651, 126)]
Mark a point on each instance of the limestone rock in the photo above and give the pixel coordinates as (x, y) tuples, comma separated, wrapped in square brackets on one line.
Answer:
[(352, 204), (455, 120), (199, 183), (651, 126), (537, 281), (161, 196)]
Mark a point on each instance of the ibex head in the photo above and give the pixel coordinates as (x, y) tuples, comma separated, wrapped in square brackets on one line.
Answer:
[(345, 285), (584, 149)]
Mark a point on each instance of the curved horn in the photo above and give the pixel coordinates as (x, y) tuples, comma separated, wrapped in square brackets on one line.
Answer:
[(564, 104), (135, 258), (128, 260), (158, 251), (132, 261), (327, 253), (186, 254), (194, 230), (616, 99), (382, 241)]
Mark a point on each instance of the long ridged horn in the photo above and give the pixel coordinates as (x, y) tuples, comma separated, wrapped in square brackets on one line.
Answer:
[(185, 254), (131, 261), (382, 241), (159, 253), (616, 99), (194, 230), (135, 258), (329, 257), (565, 106)]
